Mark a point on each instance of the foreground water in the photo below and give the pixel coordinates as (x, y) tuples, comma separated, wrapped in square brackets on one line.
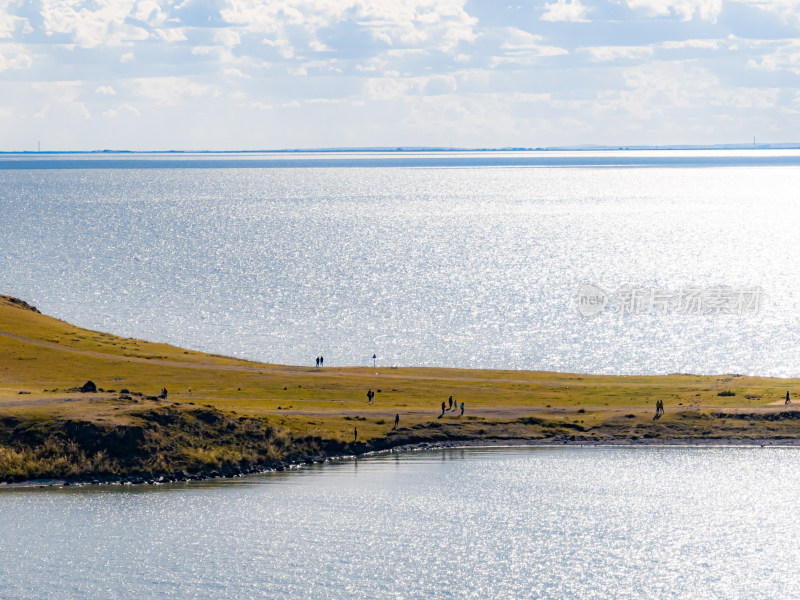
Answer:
[(466, 260), (501, 523)]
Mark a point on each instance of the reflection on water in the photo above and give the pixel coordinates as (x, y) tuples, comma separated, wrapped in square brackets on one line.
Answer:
[(499, 523)]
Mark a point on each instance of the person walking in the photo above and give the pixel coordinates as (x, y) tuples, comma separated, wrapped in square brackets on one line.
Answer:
[(321, 360), (396, 420), (318, 361), (462, 408), (450, 403), (370, 396), (788, 402), (441, 415), (355, 434)]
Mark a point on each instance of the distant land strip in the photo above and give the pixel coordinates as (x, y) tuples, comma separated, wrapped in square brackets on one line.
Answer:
[(390, 160)]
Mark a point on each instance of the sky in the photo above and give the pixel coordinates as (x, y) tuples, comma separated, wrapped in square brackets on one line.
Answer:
[(272, 74)]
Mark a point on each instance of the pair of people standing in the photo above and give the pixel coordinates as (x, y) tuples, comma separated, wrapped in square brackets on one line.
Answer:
[(659, 408), (320, 361), (371, 396)]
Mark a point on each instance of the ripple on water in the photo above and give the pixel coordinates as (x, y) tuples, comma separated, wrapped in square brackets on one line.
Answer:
[(465, 267)]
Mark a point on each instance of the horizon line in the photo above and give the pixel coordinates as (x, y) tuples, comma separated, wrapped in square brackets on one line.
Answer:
[(388, 149)]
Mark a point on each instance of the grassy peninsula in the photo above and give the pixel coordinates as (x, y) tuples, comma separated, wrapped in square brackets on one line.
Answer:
[(225, 416)]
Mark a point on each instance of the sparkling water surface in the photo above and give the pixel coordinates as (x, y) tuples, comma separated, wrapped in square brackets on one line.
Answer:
[(499, 523), (464, 260)]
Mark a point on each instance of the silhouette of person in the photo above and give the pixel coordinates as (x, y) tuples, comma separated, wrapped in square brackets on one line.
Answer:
[(355, 434), (321, 360), (787, 399), (450, 403), (370, 396), (441, 415), (396, 421), (318, 361), (462, 408)]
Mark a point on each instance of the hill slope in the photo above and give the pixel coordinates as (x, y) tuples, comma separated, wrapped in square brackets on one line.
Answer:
[(226, 415)]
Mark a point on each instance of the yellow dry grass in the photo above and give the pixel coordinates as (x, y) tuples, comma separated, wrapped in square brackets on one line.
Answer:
[(41, 358)]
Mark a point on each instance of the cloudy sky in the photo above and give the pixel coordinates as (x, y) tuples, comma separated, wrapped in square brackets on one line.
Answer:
[(268, 74)]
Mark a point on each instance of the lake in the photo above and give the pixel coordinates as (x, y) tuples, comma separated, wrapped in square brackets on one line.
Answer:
[(464, 523), (472, 259)]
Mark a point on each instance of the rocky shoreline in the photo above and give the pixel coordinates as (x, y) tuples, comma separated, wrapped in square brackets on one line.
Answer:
[(366, 450)]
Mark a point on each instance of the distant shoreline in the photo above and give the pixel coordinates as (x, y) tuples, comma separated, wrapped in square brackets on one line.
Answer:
[(431, 149), (423, 158)]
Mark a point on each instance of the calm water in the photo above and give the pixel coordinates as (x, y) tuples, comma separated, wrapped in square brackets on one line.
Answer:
[(469, 260), (510, 523)]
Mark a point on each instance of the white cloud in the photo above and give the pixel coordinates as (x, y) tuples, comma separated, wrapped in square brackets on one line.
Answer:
[(236, 73), (786, 57), (565, 10), (386, 88), (10, 23), (91, 25), (613, 53), (227, 37), (327, 101), (740, 97), (295, 25), (124, 110), (658, 87), (170, 91), (417, 60), (437, 85), (697, 44), (148, 11), (14, 56), (787, 10), (59, 101), (172, 35), (707, 10), (522, 48)]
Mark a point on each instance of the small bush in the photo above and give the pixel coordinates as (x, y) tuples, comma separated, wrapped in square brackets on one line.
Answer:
[(726, 393)]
